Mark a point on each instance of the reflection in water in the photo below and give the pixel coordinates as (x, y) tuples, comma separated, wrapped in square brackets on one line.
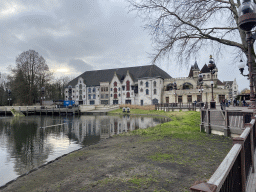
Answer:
[(29, 142)]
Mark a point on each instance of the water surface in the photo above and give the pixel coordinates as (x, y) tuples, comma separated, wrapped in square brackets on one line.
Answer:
[(28, 142)]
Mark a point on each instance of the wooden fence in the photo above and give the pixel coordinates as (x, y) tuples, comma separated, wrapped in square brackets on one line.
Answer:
[(227, 121), (234, 173)]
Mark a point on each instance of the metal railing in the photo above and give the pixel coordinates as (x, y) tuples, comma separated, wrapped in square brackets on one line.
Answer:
[(180, 106), (234, 171)]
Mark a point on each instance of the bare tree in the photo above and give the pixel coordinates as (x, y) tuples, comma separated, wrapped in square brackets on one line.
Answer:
[(183, 27), (30, 74)]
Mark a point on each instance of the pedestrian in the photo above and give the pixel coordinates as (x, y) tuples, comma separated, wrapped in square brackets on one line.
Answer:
[(244, 102), (234, 102)]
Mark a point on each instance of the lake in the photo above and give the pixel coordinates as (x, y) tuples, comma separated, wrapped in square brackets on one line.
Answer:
[(29, 142)]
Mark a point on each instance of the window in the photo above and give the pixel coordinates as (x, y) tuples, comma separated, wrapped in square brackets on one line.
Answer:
[(127, 85), (123, 87), (198, 98), (154, 83), (102, 96), (89, 90), (154, 91), (115, 96), (89, 96), (128, 94), (141, 90), (93, 90), (115, 83), (115, 90), (94, 96), (84, 96), (119, 89), (180, 98), (189, 98), (111, 89), (80, 86), (106, 88), (119, 94), (208, 76), (106, 96), (102, 89), (147, 92), (146, 84), (141, 82)]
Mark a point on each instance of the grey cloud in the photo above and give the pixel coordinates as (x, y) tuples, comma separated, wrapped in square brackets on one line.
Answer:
[(79, 65)]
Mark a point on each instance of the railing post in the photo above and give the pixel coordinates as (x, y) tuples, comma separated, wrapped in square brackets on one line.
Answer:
[(240, 140), (202, 128), (208, 126), (203, 187), (252, 147), (226, 129)]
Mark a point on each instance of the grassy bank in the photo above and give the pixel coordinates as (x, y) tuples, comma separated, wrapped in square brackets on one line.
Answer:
[(168, 157)]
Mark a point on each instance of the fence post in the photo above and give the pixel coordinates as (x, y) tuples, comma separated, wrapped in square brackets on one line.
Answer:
[(203, 187), (240, 140), (208, 126), (226, 129), (202, 128)]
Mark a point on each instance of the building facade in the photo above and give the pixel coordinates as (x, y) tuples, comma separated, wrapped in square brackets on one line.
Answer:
[(147, 85)]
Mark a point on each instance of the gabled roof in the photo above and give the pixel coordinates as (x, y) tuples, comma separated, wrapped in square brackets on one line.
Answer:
[(93, 78), (219, 82), (228, 83), (193, 68), (205, 69)]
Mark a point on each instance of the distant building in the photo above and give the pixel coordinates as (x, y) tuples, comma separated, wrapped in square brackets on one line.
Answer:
[(147, 85), (141, 85), (189, 90)]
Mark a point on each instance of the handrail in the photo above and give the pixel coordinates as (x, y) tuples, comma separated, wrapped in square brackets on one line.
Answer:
[(237, 163), (221, 173)]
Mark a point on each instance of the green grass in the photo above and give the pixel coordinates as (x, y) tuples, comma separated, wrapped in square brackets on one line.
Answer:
[(184, 125)]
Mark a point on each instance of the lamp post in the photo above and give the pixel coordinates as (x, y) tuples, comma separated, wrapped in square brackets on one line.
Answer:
[(70, 95), (200, 81), (211, 66), (9, 97), (42, 97), (246, 21), (175, 88)]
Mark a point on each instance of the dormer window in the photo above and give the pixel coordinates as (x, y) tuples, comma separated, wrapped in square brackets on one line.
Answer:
[(115, 83)]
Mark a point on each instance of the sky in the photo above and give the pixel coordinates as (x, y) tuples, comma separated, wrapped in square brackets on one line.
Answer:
[(75, 36)]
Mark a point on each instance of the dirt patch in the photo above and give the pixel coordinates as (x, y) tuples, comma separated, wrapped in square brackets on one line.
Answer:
[(130, 163)]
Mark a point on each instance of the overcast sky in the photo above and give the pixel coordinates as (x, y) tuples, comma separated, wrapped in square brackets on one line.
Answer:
[(78, 35)]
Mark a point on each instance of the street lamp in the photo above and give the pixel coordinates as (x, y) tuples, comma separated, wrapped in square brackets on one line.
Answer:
[(200, 81), (175, 88), (211, 66), (9, 97), (42, 97), (246, 21)]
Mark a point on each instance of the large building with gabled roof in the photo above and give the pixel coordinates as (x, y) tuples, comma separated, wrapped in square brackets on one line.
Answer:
[(147, 85), (189, 90), (140, 85)]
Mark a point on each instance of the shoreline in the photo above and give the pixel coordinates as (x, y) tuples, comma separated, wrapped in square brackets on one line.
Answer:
[(129, 162)]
